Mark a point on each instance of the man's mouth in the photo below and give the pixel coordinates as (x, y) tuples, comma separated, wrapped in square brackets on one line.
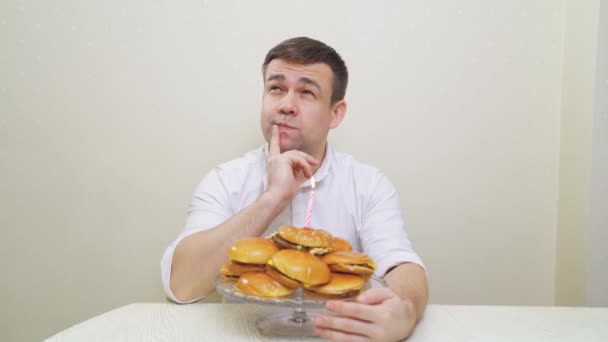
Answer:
[(284, 125)]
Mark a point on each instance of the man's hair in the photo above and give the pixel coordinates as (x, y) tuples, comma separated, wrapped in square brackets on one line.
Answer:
[(304, 50)]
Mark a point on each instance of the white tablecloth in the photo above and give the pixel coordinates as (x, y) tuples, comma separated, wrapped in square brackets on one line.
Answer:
[(236, 322)]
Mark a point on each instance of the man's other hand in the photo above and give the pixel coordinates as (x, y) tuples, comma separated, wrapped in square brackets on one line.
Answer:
[(377, 315)]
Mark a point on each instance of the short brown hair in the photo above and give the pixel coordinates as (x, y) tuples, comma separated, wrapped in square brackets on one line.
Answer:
[(304, 50)]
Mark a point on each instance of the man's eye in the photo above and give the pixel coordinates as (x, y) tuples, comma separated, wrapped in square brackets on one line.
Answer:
[(274, 89), (308, 92)]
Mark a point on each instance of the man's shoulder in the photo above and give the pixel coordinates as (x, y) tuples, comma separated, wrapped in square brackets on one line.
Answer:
[(368, 180), (359, 169)]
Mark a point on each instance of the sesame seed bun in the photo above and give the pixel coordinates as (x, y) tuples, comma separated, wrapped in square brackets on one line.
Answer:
[(307, 237), (350, 262), (232, 270), (341, 245), (262, 285), (255, 250), (340, 286), (305, 268), (315, 241)]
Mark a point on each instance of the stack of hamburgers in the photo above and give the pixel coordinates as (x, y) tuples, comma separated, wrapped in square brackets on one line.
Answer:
[(312, 259)]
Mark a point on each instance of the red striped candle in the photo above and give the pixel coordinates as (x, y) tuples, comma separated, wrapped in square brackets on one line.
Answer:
[(311, 200)]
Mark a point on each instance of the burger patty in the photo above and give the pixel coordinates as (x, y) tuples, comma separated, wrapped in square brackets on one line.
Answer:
[(230, 277), (348, 294), (286, 244), (261, 266), (283, 278)]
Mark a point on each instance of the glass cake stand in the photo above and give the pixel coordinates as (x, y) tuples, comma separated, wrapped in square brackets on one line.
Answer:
[(294, 322)]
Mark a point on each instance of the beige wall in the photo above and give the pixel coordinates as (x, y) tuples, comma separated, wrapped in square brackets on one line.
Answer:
[(597, 253), (111, 112), (580, 41)]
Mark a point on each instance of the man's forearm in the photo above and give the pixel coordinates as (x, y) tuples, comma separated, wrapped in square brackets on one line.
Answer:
[(409, 282), (198, 257)]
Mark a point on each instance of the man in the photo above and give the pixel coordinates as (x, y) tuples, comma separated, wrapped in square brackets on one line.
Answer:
[(304, 86)]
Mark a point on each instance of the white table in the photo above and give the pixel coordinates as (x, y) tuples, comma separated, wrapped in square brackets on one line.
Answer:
[(236, 322)]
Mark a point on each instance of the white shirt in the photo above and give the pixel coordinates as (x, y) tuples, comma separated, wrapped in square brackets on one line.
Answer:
[(352, 200)]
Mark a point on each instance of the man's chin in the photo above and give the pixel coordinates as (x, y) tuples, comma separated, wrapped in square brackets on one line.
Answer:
[(287, 146)]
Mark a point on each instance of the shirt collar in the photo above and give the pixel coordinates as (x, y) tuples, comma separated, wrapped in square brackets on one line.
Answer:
[(318, 176)]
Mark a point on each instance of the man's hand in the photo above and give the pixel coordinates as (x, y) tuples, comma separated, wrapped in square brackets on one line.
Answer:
[(288, 170), (378, 315)]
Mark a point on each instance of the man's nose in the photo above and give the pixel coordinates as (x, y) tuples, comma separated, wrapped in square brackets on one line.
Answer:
[(287, 106)]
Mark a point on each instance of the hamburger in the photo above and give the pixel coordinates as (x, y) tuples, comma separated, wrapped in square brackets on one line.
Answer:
[(341, 285), (314, 241), (262, 285), (294, 269), (341, 245), (247, 255), (231, 271), (350, 262)]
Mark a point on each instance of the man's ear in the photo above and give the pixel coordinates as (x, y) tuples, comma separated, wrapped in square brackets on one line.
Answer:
[(337, 114)]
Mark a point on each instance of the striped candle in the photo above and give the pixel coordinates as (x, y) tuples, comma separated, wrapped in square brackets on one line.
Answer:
[(311, 200)]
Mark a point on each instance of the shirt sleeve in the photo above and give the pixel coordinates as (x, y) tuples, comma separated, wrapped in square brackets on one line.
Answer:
[(210, 206), (383, 236)]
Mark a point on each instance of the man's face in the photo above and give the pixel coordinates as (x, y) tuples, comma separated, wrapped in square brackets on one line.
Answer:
[(297, 98)]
